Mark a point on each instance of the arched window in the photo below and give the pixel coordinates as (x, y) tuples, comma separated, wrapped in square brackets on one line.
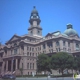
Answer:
[(77, 45), (63, 43), (15, 44), (57, 43)]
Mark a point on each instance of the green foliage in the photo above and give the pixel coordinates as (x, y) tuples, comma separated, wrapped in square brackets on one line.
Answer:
[(21, 70), (43, 63), (61, 61)]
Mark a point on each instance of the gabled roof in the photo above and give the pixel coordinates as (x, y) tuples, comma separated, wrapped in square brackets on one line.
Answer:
[(49, 34), (15, 37)]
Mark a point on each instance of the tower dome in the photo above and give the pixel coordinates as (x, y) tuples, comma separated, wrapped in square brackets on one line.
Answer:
[(34, 10), (70, 31)]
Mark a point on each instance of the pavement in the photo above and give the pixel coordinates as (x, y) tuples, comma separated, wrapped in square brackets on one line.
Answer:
[(45, 78)]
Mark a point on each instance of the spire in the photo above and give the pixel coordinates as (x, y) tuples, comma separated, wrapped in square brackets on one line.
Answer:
[(34, 10), (34, 6)]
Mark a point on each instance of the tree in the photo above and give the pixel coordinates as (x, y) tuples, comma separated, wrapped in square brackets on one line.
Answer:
[(21, 70), (43, 63), (61, 61), (76, 64)]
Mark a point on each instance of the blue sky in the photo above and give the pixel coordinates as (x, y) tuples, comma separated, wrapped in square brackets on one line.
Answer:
[(54, 15)]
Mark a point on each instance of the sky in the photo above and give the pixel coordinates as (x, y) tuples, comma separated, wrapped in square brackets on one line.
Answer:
[(54, 15)]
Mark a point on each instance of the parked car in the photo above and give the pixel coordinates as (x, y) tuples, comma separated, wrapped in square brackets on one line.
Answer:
[(8, 76)]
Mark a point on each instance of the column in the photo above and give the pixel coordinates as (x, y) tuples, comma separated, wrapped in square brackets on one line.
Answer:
[(61, 45), (3, 66), (6, 65), (11, 66), (16, 63)]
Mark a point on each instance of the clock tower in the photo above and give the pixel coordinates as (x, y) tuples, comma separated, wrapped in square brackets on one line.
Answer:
[(35, 29)]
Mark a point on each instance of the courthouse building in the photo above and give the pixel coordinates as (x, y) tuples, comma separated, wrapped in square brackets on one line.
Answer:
[(22, 51)]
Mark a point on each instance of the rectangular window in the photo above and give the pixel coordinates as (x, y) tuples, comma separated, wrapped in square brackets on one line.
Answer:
[(44, 46), (33, 65), (32, 49), (68, 44), (30, 65), (27, 53), (27, 65)]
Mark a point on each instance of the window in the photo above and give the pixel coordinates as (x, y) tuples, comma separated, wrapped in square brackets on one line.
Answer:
[(40, 48), (30, 65), (30, 54), (44, 46), (27, 53), (15, 44), (68, 44), (22, 47), (77, 45), (63, 43), (28, 73), (27, 65), (49, 44), (33, 54), (57, 43), (33, 65), (11, 51), (30, 48), (36, 54), (38, 32), (22, 65), (6, 51), (15, 51)]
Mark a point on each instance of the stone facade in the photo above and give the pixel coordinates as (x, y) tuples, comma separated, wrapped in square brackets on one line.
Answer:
[(22, 51)]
